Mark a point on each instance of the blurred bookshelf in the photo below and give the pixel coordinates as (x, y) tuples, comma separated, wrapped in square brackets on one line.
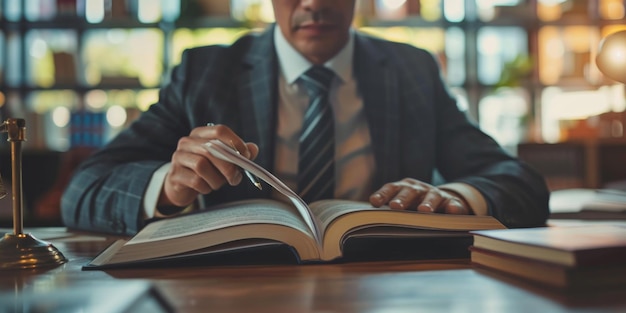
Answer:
[(79, 71), (519, 67), (571, 164)]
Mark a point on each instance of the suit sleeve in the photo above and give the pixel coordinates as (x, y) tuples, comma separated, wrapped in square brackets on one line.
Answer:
[(515, 193), (106, 192)]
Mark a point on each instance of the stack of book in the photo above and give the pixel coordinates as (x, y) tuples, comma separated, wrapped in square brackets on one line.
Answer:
[(567, 257)]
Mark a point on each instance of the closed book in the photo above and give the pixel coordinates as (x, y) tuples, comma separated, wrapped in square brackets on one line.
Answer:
[(550, 274), (572, 246)]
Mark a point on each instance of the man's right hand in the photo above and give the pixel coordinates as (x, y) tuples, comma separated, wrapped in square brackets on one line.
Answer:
[(195, 171)]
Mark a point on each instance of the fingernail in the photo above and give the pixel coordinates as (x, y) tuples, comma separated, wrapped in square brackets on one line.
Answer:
[(237, 179), (399, 202), (429, 206)]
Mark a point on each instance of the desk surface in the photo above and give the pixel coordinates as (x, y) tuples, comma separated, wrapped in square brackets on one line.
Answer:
[(406, 286)]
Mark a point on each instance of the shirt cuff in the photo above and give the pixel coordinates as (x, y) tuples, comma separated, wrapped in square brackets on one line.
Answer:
[(471, 195), (153, 191)]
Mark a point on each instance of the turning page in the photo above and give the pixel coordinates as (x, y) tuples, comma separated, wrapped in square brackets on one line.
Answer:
[(226, 153)]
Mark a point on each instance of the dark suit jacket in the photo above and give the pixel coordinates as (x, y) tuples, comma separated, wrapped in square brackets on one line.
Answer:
[(415, 125)]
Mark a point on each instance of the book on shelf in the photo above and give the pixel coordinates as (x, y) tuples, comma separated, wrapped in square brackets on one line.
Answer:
[(588, 204), (567, 257), (322, 231)]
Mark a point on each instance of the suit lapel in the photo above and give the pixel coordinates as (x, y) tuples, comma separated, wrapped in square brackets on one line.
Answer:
[(378, 87), (257, 97)]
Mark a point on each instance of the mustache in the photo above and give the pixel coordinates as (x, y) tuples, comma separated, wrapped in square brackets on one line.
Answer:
[(319, 17)]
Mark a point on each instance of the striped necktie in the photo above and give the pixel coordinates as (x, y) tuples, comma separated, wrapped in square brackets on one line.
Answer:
[(316, 170)]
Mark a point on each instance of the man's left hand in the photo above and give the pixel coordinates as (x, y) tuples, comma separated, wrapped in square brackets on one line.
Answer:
[(412, 194)]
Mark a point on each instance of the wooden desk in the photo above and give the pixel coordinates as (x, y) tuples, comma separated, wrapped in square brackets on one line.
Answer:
[(406, 286)]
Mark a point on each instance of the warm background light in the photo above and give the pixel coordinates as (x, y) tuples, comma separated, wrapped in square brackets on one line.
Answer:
[(611, 59)]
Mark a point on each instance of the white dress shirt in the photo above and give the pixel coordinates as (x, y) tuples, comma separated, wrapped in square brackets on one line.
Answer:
[(354, 158)]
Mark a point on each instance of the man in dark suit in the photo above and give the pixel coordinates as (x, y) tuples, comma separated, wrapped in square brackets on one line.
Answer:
[(395, 126)]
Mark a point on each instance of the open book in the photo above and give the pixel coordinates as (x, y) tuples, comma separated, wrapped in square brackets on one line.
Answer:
[(314, 233)]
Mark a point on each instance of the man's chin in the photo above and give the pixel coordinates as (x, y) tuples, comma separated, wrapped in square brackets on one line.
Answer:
[(316, 53)]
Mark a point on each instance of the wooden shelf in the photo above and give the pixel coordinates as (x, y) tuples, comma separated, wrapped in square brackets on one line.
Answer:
[(577, 164)]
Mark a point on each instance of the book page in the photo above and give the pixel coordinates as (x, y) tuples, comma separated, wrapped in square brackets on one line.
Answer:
[(328, 210), (227, 215), (226, 153), (340, 218)]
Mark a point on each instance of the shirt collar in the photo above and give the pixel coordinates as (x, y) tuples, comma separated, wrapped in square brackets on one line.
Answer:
[(293, 64)]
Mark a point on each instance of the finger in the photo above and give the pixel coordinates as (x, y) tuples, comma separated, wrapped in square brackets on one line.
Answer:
[(248, 149), (227, 136), (383, 195), (177, 194), (182, 185), (254, 150), (228, 172), (455, 206), (211, 128), (217, 131), (407, 197), (211, 169), (389, 192), (206, 165), (431, 201), (184, 178), (201, 170)]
